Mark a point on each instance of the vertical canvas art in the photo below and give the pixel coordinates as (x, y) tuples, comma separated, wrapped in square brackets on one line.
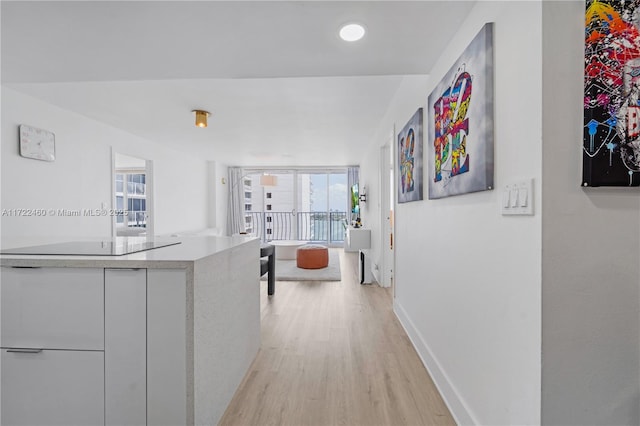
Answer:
[(410, 160), (460, 143), (611, 135)]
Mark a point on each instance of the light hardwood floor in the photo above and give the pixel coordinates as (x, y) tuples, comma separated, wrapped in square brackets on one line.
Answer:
[(333, 353)]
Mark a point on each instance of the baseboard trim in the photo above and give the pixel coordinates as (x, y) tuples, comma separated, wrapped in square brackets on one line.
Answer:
[(459, 410)]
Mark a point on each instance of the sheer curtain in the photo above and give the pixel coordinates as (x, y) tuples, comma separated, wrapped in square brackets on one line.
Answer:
[(235, 218)]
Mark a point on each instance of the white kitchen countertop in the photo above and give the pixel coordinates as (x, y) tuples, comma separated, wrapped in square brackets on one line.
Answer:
[(191, 249)]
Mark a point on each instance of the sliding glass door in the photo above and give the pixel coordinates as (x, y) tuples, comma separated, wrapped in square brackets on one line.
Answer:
[(322, 206), (303, 205)]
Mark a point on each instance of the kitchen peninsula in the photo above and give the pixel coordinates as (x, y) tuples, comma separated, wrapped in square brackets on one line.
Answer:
[(156, 337)]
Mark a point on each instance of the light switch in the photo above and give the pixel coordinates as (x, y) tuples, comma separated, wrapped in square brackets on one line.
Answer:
[(518, 198), (505, 198), (522, 197), (514, 197)]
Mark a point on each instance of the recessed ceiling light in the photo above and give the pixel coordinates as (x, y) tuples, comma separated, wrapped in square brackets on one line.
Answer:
[(352, 32)]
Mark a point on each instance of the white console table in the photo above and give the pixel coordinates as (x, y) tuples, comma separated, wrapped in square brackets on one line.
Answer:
[(357, 239)]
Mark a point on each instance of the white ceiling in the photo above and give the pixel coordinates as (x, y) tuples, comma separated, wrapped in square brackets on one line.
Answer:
[(283, 88)]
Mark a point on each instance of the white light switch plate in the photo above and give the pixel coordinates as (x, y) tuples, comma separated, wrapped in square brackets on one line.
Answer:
[(517, 198)]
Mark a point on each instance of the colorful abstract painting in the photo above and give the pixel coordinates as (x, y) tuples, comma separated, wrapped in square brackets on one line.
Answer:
[(611, 141), (410, 160), (460, 147)]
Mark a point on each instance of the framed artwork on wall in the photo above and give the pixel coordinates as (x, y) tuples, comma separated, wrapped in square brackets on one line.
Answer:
[(611, 134), (460, 142), (410, 167)]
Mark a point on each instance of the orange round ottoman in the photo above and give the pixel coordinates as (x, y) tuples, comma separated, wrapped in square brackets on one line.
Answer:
[(312, 256)]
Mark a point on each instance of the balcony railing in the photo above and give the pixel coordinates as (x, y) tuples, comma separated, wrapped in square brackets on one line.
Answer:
[(305, 226)]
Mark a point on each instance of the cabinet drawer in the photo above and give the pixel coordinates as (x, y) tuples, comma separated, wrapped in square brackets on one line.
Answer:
[(52, 388), (52, 308)]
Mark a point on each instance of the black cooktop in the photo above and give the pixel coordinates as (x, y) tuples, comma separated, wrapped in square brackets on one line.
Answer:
[(117, 247)]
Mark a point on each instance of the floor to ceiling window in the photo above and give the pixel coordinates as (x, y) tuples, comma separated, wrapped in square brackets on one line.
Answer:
[(322, 208), (308, 205)]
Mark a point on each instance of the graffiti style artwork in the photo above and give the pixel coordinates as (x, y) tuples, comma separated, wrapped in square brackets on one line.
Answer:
[(410, 160), (460, 149), (611, 137)]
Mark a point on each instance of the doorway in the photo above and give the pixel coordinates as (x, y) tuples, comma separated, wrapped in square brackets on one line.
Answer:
[(387, 212), (322, 206), (132, 196)]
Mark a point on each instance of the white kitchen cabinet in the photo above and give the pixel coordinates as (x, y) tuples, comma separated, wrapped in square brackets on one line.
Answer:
[(52, 308), (166, 346), (125, 349), (52, 346), (162, 337), (52, 387)]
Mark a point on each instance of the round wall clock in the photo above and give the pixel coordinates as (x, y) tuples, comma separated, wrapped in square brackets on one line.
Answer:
[(37, 143)]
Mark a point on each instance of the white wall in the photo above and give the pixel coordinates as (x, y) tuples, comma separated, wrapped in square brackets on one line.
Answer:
[(408, 98), (222, 197), (217, 196), (590, 254), (468, 280), (80, 177), (370, 210)]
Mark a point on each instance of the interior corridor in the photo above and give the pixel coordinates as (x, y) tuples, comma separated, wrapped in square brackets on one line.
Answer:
[(333, 353)]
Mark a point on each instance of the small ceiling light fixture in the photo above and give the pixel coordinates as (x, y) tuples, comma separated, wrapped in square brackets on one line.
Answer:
[(352, 32), (201, 117)]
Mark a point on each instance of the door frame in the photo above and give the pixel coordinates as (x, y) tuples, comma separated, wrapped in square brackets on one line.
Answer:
[(387, 206), (149, 192)]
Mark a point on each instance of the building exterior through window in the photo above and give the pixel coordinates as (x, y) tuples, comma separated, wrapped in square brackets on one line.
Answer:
[(131, 199), (304, 205)]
